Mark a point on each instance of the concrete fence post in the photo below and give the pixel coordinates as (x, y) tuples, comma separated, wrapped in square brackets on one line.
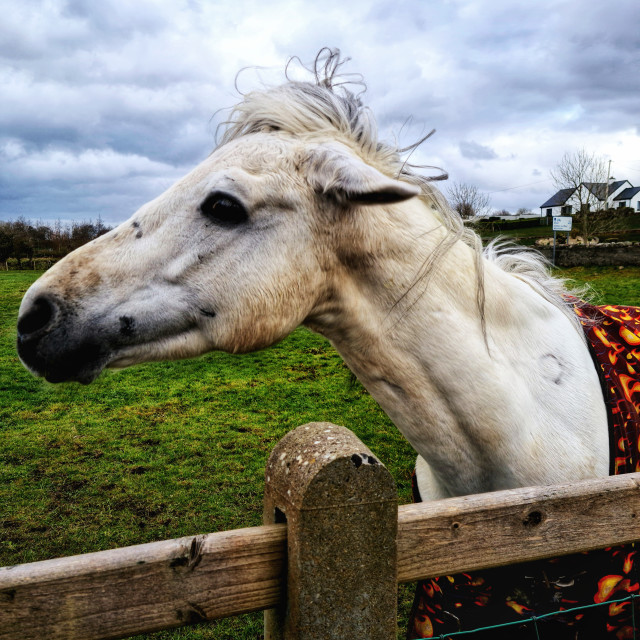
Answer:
[(341, 509)]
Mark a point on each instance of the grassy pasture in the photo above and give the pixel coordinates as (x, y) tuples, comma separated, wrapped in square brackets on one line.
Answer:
[(172, 449), (625, 228)]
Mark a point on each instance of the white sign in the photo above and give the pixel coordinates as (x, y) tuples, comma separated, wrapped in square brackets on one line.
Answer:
[(562, 224)]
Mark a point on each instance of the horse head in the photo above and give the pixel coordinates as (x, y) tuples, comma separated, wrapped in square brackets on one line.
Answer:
[(232, 257)]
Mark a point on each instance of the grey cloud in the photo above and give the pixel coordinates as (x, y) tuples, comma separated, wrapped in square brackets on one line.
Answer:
[(144, 79), (104, 190), (475, 151), (509, 64), (118, 17)]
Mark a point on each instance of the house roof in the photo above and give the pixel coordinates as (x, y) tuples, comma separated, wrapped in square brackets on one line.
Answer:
[(599, 189), (616, 185), (559, 198), (627, 194)]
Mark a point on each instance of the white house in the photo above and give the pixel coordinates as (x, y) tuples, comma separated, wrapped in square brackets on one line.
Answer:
[(629, 197), (566, 201), (557, 204)]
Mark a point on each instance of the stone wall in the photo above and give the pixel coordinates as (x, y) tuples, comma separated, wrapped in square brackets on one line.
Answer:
[(611, 254)]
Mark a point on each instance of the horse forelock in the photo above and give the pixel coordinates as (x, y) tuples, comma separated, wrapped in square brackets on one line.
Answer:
[(325, 109)]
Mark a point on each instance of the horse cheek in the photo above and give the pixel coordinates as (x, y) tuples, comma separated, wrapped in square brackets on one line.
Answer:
[(270, 313)]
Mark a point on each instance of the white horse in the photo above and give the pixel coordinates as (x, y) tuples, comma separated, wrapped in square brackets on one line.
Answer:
[(301, 216)]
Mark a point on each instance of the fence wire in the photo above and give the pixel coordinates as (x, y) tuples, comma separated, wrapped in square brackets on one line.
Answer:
[(534, 619)]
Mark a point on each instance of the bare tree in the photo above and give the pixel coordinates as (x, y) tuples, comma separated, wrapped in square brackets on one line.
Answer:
[(468, 201), (23, 239), (586, 174)]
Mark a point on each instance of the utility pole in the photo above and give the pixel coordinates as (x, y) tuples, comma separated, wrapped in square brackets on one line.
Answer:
[(606, 198)]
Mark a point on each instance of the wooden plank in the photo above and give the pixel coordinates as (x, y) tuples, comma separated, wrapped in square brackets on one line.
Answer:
[(519, 525), (121, 592)]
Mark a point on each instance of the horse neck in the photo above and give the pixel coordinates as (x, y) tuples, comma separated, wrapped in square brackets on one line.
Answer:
[(486, 404)]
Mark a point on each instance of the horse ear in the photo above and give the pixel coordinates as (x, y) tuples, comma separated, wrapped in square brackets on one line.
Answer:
[(332, 170)]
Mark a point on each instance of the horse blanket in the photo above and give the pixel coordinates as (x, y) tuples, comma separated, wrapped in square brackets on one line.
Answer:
[(472, 601)]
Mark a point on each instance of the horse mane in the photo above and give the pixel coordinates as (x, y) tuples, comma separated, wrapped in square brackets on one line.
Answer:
[(327, 108)]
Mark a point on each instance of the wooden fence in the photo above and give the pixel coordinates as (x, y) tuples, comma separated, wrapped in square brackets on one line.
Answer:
[(328, 559)]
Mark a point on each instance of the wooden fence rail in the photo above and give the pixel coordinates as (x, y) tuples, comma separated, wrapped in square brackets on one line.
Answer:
[(143, 588), (161, 585)]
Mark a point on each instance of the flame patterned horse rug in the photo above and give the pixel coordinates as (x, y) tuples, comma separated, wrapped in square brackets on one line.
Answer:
[(508, 594)]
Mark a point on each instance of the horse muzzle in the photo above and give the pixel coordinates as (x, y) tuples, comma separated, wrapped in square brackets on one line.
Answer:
[(50, 347)]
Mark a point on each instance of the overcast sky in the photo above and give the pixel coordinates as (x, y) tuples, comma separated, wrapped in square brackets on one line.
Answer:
[(104, 104)]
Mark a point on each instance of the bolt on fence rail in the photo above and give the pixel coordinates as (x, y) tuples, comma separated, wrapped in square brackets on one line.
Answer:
[(318, 477)]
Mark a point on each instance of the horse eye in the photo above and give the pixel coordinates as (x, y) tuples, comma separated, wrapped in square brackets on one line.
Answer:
[(224, 210)]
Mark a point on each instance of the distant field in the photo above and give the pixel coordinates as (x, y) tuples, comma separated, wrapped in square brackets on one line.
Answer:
[(627, 229), (171, 449)]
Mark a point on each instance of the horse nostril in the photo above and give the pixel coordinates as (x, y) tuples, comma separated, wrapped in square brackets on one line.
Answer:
[(38, 317)]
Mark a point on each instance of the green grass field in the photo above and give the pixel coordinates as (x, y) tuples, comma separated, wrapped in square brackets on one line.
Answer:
[(626, 228), (172, 449)]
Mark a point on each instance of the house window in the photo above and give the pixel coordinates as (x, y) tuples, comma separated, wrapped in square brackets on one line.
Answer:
[(621, 204), (566, 210), (550, 211), (638, 206)]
